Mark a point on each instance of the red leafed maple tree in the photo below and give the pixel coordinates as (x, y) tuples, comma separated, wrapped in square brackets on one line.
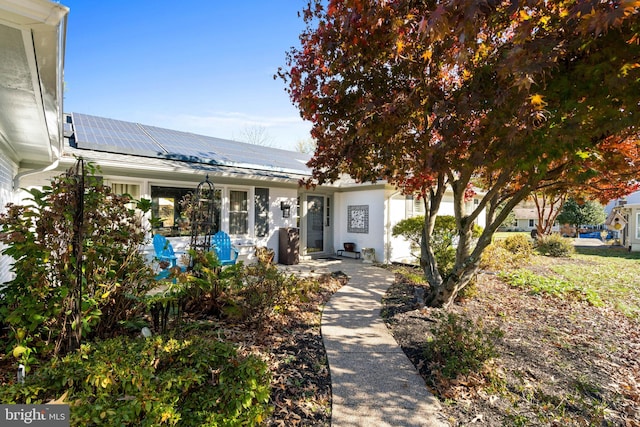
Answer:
[(505, 96)]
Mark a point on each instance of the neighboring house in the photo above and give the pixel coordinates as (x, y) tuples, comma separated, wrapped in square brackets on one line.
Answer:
[(32, 36), (624, 219), (257, 187), (526, 217)]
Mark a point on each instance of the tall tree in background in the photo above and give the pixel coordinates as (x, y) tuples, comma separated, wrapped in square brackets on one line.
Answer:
[(432, 95), (256, 135), (548, 206), (306, 146), (586, 213)]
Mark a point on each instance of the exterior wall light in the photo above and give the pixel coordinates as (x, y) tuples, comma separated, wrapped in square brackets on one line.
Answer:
[(286, 209)]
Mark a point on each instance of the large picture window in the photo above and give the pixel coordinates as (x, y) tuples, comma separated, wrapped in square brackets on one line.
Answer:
[(238, 212), (172, 205)]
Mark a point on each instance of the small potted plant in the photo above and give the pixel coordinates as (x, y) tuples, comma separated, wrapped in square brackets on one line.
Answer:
[(349, 247)]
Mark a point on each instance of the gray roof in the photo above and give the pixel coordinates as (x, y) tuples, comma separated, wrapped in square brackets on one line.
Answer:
[(135, 139)]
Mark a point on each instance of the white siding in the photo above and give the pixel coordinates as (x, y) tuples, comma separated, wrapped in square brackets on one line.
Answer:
[(398, 249), (375, 237), (8, 170), (276, 221)]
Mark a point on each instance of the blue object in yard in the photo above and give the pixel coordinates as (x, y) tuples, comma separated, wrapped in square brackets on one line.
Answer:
[(591, 235), (227, 253), (164, 253)]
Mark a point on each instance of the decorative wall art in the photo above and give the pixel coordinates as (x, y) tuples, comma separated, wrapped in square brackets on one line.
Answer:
[(358, 219)]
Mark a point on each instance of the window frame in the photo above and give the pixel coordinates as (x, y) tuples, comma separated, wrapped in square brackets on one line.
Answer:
[(246, 211)]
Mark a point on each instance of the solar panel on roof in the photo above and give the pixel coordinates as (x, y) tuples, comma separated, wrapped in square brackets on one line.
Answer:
[(120, 137), (114, 136)]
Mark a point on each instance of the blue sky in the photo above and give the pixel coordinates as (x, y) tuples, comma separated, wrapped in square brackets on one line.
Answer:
[(199, 66)]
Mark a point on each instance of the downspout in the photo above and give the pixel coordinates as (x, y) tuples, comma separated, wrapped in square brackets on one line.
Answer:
[(19, 176)]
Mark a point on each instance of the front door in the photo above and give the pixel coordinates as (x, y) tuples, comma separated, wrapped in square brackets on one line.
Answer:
[(315, 224)]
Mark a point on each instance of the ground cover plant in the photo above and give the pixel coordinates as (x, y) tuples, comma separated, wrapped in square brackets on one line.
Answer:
[(569, 348)]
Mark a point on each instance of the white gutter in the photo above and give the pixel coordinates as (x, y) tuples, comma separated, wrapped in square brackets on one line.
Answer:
[(19, 176)]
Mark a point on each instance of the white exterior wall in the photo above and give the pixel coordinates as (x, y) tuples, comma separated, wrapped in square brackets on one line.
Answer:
[(246, 245), (398, 249), (8, 170), (634, 230), (375, 237), (276, 221)]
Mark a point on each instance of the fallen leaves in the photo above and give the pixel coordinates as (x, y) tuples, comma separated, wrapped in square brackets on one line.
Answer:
[(291, 344), (561, 362)]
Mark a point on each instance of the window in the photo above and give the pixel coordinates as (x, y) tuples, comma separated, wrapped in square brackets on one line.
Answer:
[(532, 223), (172, 206), (238, 212), (261, 212), (418, 206), (328, 215), (414, 206), (637, 225), (132, 190)]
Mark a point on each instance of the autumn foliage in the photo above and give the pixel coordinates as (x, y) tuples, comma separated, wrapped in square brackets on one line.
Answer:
[(505, 96)]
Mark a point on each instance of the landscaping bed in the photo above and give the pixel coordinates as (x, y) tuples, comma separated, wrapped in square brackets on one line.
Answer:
[(563, 359), (293, 348), (288, 340)]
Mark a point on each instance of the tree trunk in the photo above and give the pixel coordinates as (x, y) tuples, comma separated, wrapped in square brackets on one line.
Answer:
[(442, 293)]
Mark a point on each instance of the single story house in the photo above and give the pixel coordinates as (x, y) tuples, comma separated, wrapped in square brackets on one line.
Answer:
[(257, 187), (525, 217)]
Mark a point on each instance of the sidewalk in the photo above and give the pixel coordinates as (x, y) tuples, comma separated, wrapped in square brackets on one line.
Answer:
[(373, 382)]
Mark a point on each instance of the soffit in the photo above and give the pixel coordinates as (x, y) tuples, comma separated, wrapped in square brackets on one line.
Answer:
[(31, 40)]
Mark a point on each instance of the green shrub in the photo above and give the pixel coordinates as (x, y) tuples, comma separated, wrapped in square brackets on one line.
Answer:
[(555, 245), (263, 291), (496, 257), (39, 303), (519, 245), (460, 346), (158, 381), (507, 254), (470, 291), (247, 292), (443, 238)]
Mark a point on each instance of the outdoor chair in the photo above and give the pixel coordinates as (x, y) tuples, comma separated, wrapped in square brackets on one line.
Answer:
[(164, 253), (227, 253)]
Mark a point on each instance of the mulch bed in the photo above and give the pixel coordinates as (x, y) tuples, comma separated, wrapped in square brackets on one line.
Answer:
[(291, 343), (561, 363)]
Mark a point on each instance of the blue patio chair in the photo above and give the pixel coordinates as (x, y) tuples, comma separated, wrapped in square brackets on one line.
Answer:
[(227, 253), (164, 253)]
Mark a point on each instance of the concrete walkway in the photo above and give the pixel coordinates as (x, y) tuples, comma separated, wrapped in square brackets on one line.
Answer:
[(373, 382)]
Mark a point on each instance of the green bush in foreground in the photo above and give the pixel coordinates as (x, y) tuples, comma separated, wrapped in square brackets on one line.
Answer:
[(519, 245), (158, 381), (555, 245), (507, 254), (460, 346)]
